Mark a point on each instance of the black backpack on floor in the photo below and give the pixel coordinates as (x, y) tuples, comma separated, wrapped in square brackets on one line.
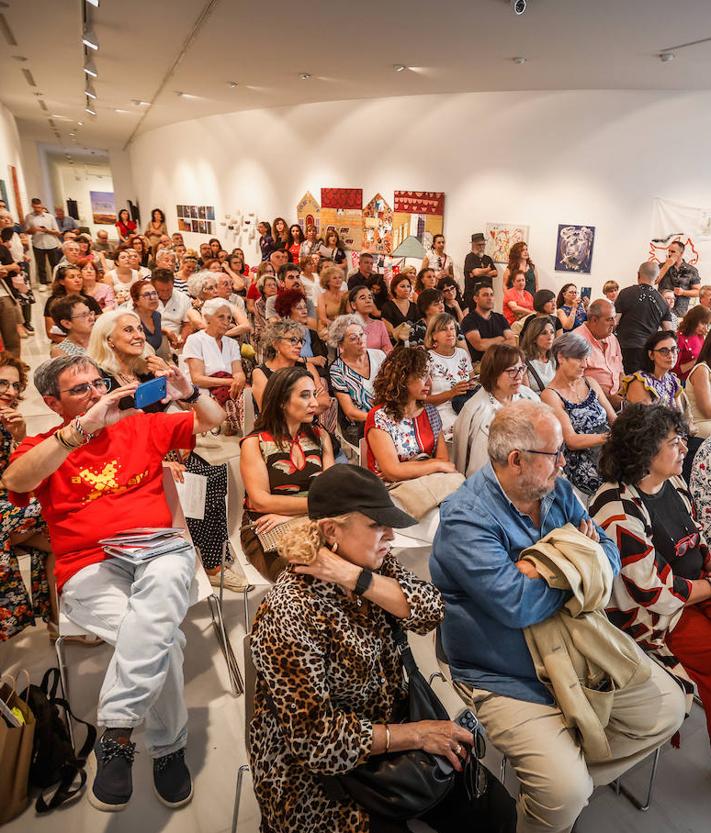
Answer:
[(54, 761)]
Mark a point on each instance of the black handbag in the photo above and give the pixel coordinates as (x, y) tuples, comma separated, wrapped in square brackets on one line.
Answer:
[(399, 785)]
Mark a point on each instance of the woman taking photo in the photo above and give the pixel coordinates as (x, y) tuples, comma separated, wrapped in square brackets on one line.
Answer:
[(519, 260), (655, 382), (125, 226), (583, 410), (156, 229), (517, 302), (283, 343), (145, 302), (19, 526), (363, 306), (294, 241), (67, 281), (570, 308), (399, 314), (501, 375), (450, 369), (321, 713), (279, 461), (536, 345), (73, 317), (329, 301), (693, 329), (662, 596), (353, 373), (102, 293), (403, 433), (453, 301), (698, 391)]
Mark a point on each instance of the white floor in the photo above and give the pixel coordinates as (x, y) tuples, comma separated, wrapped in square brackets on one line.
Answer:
[(682, 798)]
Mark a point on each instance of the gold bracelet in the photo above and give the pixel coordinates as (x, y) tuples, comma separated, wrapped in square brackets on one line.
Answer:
[(387, 738), (63, 441)]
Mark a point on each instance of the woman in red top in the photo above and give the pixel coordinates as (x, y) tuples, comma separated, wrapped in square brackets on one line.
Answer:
[(690, 335), (518, 303), (125, 225), (296, 238)]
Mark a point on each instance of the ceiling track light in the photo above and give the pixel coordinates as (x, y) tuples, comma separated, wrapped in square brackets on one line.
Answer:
[(90, 68), (137, 102), (665, 57), (90, 91), (233, 84), (89, 39), (94, 3), (519, 59), (89, 108), (399, 67), (305, 76)]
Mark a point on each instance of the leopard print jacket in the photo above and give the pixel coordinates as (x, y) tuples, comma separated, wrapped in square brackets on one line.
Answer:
[(332, 670)]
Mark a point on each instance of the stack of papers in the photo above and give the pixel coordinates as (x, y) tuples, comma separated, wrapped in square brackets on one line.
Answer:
[(143, 543)]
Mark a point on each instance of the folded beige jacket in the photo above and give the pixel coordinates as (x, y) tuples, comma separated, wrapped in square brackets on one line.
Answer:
[(422, 494), (578, 653)]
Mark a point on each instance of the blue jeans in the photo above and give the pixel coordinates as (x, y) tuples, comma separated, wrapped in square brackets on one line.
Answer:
[(138, 610)]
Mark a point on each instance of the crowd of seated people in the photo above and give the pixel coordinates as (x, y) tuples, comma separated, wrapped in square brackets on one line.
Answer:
[(547, 405)]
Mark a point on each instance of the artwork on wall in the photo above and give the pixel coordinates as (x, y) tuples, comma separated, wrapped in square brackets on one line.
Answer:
[(308, 212), (3, 195), (103, 207), (199, 219), (378, 226), (342, 209), (574, 250), (417, 214), (500, 237), (16, 191), (672, 222)]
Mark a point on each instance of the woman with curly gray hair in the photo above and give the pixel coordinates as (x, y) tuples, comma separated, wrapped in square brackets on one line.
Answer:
[(352, 374), (662, 596)]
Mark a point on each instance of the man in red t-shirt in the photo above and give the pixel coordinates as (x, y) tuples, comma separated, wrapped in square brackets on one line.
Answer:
[(100, 472)]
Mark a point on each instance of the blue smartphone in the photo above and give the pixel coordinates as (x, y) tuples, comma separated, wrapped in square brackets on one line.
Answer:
[(145, 394)]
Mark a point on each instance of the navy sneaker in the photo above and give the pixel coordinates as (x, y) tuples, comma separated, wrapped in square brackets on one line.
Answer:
[(113, 784), (171, 779)]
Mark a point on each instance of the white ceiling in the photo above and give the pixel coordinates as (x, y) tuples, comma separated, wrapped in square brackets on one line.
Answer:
[(348, 47)]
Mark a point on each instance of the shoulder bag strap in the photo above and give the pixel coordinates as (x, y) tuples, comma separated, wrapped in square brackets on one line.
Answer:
[(534, 372)]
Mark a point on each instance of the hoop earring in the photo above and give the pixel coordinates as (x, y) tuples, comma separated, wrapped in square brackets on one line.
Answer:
[(334, 546)]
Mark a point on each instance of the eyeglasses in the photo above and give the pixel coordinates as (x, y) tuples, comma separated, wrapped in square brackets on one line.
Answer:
[(558, 455), (666, 351), (517, 370), (680, 439), (449, 289), (101, 386), (5, 385), (293, 340), (688, 542), (149, 295), (355, 337), (88, 314)]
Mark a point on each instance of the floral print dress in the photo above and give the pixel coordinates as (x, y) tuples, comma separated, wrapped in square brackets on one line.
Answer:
[(17, 609)]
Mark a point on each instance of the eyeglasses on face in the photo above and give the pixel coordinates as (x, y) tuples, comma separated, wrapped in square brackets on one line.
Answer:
[(87, 314), (515, 371), (679, 440), (5, 384), (293, 340), (101, 386), (558, 455), (666, 351), (149, 295)]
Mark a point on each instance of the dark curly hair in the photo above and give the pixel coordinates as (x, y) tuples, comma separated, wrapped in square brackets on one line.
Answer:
[(286, 300), (390, 385), (635, 439)]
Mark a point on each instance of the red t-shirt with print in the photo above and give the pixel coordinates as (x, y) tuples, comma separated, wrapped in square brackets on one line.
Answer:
[(113, 483)]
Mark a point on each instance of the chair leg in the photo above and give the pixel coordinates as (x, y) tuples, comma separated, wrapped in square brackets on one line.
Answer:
[(59, 650), (619, 787), (238, 795), (218, 623)]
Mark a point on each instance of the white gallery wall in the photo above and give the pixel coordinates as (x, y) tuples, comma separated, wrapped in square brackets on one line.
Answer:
[(11, 154), (537, 158)]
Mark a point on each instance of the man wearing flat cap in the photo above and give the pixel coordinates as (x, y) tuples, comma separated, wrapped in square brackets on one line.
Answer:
[(479, 269)]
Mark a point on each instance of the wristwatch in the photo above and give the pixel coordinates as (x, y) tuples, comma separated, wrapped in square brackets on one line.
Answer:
[(365, 579), (194, 396)]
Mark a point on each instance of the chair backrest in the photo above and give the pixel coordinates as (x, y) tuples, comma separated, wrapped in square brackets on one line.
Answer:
[(249, 411), (363, 453), (250, 686)]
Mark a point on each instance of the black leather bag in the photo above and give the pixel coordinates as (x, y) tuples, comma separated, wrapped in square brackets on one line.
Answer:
[(399, 785)]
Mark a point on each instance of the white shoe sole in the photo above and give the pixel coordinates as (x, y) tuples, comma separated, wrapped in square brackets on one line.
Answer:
[(177, 804), (97, 804)]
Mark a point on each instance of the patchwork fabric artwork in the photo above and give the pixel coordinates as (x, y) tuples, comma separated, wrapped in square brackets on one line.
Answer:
[(378, 226), (308, 212), (342, 209), (574, 249), (417, 214)]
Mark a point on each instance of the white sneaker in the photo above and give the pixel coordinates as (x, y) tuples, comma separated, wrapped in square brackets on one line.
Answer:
[(237, 582), (42, 287)]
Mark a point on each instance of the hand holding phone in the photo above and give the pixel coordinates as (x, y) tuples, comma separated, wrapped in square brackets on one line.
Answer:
[(146, 394)]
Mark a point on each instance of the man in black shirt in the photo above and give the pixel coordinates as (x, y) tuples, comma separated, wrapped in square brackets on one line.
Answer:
[(478, 269), (483, 327), (365, 270), (641, 311)]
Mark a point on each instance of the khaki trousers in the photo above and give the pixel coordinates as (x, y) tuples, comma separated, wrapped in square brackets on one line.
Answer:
[(556, 780)]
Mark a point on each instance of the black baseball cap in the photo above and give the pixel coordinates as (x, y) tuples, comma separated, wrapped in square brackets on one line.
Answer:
[(478, 237), (344, 488)]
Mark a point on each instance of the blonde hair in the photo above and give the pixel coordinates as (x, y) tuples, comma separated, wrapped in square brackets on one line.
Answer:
[(101, 351), (328, 273), (301, 543), (610, 286), (408, 270)]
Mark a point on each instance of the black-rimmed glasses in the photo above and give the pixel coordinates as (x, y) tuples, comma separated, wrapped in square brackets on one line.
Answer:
[(101, 386), (557, 454)]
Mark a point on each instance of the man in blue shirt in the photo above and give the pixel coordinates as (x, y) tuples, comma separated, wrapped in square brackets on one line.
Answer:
[(491, 596)]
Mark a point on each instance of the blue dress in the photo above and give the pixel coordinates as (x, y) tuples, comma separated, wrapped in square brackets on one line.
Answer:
[(580, 316)]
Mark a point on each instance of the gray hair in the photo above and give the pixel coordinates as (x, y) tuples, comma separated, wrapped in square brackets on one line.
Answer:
[(47, 375), (67, 245), (210, 307), (197, 281), (571, 346), (704, 290), (598, 308), (516, 427), (648, 270), (338, 327), (275, 330)]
